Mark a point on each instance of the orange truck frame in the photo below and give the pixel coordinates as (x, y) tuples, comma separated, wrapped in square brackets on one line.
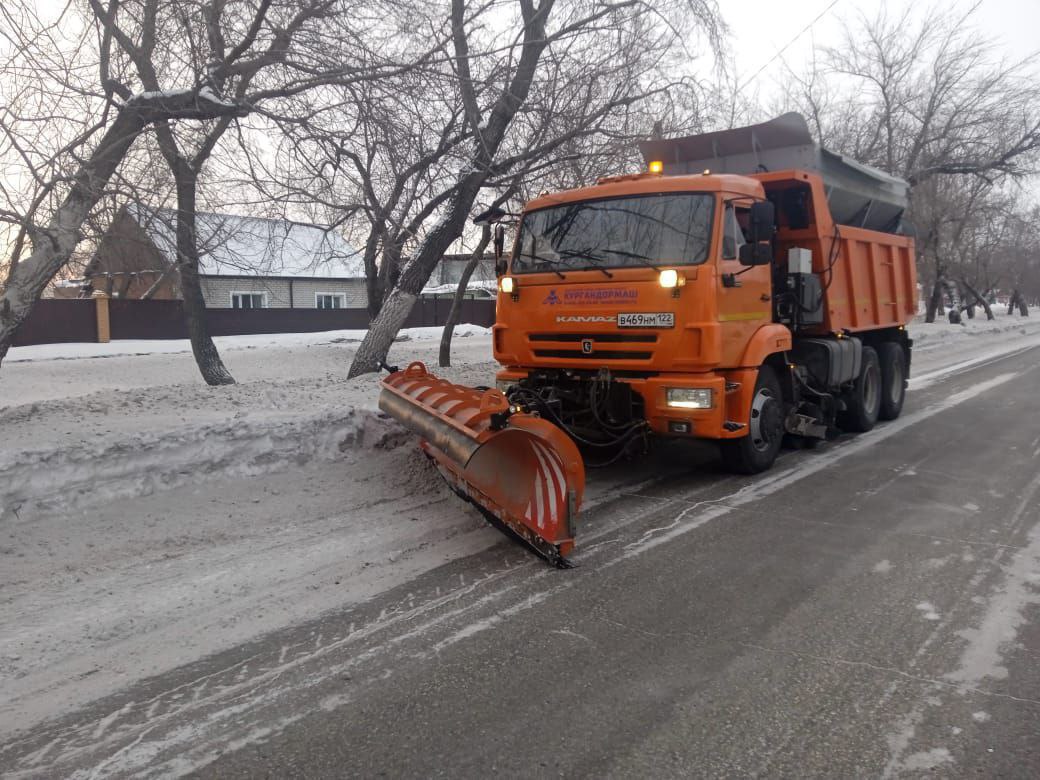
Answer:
[(751, 288)]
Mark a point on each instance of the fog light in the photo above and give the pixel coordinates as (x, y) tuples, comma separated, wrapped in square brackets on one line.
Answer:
[(688, 397), (674, 426), (670, 278), (506, 284)]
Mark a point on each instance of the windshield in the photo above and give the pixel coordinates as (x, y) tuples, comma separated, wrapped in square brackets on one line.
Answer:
[(645, 230)]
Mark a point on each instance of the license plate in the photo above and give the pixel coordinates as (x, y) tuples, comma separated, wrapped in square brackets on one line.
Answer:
[(635, 319)]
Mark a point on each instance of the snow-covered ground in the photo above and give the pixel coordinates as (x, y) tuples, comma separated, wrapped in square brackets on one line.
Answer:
[(147, 520)]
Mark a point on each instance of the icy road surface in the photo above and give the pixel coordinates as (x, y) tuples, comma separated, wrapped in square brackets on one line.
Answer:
[(266, 579)]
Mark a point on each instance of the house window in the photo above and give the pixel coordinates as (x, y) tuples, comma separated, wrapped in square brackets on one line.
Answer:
[(248, 300), (330, 301)]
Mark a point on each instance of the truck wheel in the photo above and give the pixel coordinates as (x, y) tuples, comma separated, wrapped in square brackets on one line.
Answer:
[(756, 452), (893, 379), (864, 402)]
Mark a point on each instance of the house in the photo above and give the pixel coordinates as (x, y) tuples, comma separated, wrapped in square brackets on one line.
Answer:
[(244, 262)]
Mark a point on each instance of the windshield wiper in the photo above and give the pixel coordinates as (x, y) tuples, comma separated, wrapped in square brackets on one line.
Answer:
[(588, 255), (544, 261), (644, 260)]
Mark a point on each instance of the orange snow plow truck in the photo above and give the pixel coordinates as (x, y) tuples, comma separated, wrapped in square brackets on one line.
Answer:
[(751, 287)]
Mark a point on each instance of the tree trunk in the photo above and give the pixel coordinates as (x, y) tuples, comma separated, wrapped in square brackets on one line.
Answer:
[(460, 295), (51, 251), (934, 301), (194, 305), (967, 301), (979, 298), (398, 304), (373, 288), (488, 137)]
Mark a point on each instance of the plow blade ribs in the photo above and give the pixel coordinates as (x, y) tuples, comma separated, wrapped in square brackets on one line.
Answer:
[(520, 471)]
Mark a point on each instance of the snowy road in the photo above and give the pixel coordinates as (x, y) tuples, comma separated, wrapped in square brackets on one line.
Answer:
[(867, 608)]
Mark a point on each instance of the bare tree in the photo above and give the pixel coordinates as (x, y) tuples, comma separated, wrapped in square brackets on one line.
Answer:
[(512, 116), (187, 71), (926, 98)]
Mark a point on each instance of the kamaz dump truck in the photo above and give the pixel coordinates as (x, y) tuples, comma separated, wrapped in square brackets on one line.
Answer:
[(751, 288)]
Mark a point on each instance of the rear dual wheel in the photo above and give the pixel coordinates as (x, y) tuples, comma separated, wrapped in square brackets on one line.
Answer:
[(863, 403), (893, 379), (879, 390), (758, 450)]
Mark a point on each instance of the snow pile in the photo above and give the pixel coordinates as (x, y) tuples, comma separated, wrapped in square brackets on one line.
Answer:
[(75, 451), (33, 482), (929, 334), (129, 347)]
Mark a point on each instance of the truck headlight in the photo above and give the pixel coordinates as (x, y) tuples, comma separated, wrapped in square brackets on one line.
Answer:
[(689, 397), (507, 284), (669, 278)]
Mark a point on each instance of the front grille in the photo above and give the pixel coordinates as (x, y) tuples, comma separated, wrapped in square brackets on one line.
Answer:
[(610, 338), (596, 354)]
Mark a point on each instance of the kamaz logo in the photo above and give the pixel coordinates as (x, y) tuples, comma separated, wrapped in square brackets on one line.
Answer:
[(586, 318), (552, 298), (586, 346)]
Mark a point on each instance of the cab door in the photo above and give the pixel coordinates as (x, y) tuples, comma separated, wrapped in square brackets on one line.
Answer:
[(744, 292)]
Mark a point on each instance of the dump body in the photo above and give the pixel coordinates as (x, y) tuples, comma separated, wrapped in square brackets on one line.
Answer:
[(870, 277)]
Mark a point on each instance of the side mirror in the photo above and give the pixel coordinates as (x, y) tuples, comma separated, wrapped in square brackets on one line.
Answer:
[(499, 241), (756, 254), (500, 267), (761, 226), (762, 221)]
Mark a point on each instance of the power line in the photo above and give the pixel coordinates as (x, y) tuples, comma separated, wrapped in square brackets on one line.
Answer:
[(788, 44)]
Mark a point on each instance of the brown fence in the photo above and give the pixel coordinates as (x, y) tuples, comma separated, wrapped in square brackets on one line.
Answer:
[(54, 321)]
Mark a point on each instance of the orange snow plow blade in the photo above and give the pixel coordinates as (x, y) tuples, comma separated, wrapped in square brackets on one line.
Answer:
[(520, 470)]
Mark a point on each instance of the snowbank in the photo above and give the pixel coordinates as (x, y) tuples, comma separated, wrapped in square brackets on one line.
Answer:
[(128, 347), (926, 335)]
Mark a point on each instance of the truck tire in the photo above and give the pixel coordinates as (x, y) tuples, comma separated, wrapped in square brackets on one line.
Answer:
[(864, 402), (893, 379), (758, 450)]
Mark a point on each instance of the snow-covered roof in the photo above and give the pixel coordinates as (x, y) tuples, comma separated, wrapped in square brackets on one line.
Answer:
[(231, 245), (475, 285)]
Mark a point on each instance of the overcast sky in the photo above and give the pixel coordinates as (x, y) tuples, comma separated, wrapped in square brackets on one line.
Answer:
[(760, 28)]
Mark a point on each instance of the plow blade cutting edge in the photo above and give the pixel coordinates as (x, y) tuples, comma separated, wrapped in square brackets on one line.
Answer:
[(522, 472)]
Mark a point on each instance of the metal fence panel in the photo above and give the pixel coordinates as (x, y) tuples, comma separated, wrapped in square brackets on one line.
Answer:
[(58, 321), (54, 321)]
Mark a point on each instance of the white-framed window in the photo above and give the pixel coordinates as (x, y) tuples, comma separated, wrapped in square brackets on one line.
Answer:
[(330, 300), (248, 300)]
